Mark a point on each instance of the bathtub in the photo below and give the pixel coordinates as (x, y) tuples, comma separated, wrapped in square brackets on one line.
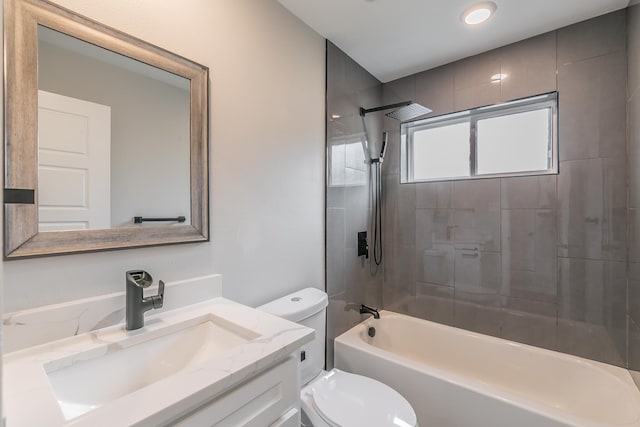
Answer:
[(453, 377)]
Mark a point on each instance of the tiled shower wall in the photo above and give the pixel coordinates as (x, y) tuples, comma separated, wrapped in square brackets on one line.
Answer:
[(351, 280), (633, 126), (541, 259)]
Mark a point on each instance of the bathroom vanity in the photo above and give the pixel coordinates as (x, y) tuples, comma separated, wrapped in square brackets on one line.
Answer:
[(216, 362)]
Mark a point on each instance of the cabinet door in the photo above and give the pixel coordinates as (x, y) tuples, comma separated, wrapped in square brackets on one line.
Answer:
[(260, 402), (290, 419)]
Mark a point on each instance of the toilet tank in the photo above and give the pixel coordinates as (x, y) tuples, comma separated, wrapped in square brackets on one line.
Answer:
[(307, 307)]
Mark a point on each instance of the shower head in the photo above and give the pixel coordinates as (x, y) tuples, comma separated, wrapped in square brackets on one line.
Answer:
[(408, 112), (402, 111)]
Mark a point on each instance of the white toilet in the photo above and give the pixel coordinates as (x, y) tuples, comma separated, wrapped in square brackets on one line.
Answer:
[(336, 398)]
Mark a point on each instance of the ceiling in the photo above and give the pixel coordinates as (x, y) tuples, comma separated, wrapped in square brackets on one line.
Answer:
[(396, 38)]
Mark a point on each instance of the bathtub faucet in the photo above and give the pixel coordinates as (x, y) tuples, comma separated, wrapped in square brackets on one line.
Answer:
[(368, 310)]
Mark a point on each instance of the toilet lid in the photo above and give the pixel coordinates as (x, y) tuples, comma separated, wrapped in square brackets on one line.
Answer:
[(350, 400)]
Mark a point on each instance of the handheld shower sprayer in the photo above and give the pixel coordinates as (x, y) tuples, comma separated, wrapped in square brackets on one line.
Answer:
[(383, 148), (402, 111)]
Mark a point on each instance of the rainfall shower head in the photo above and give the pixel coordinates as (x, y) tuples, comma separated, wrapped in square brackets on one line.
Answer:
[(402, 111), (408, 112)]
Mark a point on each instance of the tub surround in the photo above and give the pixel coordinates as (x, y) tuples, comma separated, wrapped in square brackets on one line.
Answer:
[(269, 341)]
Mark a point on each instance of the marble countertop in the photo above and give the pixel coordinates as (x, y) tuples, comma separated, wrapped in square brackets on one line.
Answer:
[(29, 399)]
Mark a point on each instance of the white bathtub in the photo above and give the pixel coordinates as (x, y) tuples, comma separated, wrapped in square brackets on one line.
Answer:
[(454, 377)]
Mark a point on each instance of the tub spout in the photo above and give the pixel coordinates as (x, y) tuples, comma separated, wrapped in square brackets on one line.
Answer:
[(368, 310)]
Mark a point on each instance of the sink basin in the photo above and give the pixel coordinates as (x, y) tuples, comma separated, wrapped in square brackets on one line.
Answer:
[(87, 381)]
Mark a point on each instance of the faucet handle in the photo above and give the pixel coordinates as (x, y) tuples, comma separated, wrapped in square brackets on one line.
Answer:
[(158, 300)]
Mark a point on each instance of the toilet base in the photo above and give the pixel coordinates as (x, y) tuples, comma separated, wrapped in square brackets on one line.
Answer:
[(309, 415)]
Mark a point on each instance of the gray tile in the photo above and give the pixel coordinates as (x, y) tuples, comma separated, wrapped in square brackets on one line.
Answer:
[(476, 96), (336, 72), (519, 239), (529, 192), (634, 181), (614, 226), (399, 90), (478, 227), (529, 254), (589, 341), (436, 265), (529, 322), (633, 115), (634, 345), (480, 194), (435, 90), (478, 313), (399, 275), (633, 49), (633, 70), (581, 211), (335, 251), (434, 226), (615, 304), (634, 291), (592, 107), (633, 28), (335, 197), (434, 303), (399, 211), (342, 315), (477, 272), (592, 291), (426, 195), (476, 70), (591, 38), (356, 213), (443, 196), (433, 195), (530, 67), (634, 235)]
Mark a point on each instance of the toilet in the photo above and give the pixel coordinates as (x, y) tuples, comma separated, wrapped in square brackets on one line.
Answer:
[(336, 398)]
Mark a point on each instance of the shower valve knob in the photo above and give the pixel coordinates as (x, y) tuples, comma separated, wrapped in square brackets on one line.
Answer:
[(363, 246)]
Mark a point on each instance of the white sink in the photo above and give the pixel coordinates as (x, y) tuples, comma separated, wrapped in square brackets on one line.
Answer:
[(88, 380)]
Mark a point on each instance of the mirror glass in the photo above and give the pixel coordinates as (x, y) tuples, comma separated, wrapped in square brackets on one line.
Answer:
[(113, 138), (106, 137)]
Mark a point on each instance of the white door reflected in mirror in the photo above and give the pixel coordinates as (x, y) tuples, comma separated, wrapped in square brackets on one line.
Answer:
[(74, 150)]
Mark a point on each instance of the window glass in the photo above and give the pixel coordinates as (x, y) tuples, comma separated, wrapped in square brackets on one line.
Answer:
[(441, 152), (514, 142), (511, 139)]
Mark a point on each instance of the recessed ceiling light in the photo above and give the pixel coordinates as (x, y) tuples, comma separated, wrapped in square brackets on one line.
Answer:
[(335, 116), (478, 13)]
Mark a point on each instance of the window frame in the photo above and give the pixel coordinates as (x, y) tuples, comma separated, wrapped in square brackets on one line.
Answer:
[(473, 115)]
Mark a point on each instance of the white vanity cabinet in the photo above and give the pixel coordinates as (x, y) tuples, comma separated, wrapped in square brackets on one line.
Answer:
[(270, 398)]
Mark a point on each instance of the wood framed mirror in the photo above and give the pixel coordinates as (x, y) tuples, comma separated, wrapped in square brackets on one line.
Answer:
[(70, 81)]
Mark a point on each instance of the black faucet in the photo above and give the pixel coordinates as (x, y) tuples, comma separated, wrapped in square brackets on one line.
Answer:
[(137, 304), (368, 310)]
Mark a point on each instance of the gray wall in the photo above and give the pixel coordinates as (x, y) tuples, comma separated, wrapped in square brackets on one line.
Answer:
[(351, 280), (633, 114), (552, 268)]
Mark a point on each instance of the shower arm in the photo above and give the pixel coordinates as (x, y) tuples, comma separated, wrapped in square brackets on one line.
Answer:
[(364, 111)]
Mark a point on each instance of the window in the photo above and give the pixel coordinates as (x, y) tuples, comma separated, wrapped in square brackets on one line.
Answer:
[(510, 139)]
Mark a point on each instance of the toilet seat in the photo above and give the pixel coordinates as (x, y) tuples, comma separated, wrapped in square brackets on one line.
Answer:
[(343, 399)]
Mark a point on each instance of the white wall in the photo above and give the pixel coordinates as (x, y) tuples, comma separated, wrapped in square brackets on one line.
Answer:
[(267, 156)]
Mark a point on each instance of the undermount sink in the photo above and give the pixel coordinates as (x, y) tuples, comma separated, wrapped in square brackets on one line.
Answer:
[(88, 380)]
